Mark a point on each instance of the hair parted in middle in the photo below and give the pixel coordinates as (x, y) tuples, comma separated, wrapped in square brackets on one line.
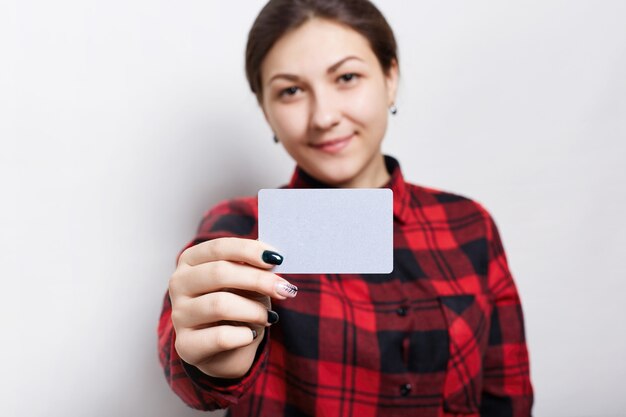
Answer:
[(281, 16)]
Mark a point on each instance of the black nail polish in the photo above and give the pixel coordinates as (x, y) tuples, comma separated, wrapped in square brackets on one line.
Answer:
[(254, 334), (272, 258), (272, 317)]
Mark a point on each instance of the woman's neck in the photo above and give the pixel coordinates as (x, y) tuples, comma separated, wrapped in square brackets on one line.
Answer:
[(373, 175)]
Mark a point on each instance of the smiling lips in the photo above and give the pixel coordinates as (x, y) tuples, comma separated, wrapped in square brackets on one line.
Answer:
[(334, 145)]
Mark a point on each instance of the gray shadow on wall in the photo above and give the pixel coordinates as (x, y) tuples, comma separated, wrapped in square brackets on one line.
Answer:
[(191, 171), (214, 160), (227, 160)]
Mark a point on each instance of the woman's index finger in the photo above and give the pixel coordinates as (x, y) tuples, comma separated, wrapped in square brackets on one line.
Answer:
[(234, 249)]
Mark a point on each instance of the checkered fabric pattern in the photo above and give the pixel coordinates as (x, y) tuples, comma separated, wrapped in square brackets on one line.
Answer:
[(442, 335)]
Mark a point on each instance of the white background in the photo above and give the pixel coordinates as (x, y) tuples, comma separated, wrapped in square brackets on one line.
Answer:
[(121, 122)]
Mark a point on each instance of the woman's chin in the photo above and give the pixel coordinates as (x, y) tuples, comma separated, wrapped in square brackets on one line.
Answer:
[(337, 177)]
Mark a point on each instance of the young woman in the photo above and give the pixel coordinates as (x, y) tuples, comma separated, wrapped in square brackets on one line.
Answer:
[(441, 335)]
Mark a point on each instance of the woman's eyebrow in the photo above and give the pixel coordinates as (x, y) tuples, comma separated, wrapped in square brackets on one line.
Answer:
[(289, 77), (334, 67), (330, 70)]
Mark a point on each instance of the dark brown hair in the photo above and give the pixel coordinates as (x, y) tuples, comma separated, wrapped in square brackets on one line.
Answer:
[(280, 16)]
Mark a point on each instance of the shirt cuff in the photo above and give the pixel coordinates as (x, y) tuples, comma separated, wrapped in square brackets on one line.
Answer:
[(227, 391)]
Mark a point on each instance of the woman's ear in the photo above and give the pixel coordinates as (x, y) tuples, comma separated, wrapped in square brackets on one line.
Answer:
[(267, 119), (391, 80), (262, 107)]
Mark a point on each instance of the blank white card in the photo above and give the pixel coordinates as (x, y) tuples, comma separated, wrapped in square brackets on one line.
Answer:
[(320, 231)]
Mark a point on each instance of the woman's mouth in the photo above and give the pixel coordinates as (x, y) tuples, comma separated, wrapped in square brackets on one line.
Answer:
[(333, 146)]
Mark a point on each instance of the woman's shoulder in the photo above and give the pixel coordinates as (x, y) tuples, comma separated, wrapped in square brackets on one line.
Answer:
[(453, 204), (231, 217), (244, 205)]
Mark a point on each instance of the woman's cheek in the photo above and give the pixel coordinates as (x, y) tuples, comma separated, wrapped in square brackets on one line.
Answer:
[(367, 110), (291, 122)]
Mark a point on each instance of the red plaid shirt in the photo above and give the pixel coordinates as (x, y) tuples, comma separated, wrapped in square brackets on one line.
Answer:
[(442, 335)]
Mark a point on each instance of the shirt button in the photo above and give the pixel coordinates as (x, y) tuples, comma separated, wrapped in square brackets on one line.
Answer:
[(405, 389), (401, 311)]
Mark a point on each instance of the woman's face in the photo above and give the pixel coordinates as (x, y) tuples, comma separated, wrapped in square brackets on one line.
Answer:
[(326, 98)]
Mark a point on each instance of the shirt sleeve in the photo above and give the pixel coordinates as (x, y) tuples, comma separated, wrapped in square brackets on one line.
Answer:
[(195, 388), (507, 389)]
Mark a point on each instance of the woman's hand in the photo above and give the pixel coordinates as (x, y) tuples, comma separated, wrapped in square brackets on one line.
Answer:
[(220, 294)]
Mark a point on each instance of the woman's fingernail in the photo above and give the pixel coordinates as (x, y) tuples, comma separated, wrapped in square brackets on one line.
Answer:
[(272, 258), (272, 317), (254, 334), (286, 289)]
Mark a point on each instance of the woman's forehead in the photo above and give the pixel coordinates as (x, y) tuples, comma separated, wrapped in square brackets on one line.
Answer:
[(316, 46)]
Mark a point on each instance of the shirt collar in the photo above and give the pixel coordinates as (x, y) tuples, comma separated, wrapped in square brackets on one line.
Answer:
[(400, 189)]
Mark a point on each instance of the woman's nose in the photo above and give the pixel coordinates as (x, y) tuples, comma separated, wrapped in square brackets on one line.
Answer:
[(325, 112)]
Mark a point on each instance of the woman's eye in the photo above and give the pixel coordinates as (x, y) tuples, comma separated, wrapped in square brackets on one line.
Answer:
[(289, 91), (346, 78)]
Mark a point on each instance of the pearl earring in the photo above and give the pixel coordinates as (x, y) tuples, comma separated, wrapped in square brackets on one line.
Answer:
[(275, 139), (393, 109)]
